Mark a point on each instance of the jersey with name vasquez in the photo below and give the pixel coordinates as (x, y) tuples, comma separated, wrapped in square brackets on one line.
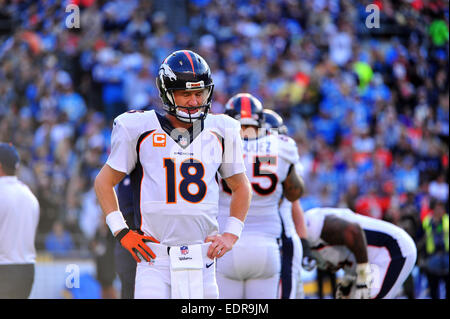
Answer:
[(173, 171)]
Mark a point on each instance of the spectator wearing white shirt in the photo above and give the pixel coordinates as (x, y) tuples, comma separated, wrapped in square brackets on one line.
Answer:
[(439, 188)]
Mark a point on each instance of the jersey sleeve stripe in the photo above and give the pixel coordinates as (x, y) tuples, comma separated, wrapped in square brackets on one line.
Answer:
[(141, 139), (220, 139), (137, 176)]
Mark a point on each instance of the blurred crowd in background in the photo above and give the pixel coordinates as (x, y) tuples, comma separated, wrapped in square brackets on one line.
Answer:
[(368, 107)]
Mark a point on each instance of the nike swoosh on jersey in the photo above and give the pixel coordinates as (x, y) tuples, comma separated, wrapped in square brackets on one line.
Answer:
[(209, 265)]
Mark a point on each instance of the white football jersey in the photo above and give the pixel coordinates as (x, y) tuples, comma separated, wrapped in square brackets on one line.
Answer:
[(173, 171), (381, 237), (267, 160)]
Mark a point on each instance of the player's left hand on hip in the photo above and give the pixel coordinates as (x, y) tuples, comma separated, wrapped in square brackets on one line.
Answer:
[(364, 280), (220, 244)]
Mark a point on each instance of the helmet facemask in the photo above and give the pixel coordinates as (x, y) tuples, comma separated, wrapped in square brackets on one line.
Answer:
[(184, 113)]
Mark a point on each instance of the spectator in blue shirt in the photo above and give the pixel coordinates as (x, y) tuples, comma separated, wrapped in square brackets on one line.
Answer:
[(59, 241), (72, 103)]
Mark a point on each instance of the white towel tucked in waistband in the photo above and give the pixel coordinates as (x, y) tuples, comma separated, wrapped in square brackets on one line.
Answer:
[(186, 271)]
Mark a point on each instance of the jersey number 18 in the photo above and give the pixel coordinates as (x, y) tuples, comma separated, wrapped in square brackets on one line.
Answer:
[(192, 172)]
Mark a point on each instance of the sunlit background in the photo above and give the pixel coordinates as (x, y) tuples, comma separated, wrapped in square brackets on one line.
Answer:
[(362, 86)]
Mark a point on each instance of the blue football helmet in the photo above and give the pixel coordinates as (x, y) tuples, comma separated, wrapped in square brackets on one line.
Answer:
[(184, 70), (245, 108), (273, 121)]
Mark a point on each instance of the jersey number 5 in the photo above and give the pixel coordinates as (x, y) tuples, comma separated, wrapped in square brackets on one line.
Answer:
[(260, 173), (192, 172)]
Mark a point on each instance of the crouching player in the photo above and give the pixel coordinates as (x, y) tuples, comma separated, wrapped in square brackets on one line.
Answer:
[(375, 255)]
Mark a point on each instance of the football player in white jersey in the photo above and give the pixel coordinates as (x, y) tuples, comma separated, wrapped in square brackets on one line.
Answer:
[(376, 256), (252, 269), (294, 233), (173, 161)]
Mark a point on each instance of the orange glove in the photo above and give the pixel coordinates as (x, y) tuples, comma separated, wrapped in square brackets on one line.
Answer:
[(135, 244)]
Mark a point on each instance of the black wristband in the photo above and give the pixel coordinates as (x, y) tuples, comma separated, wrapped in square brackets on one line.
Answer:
[(122, 234)]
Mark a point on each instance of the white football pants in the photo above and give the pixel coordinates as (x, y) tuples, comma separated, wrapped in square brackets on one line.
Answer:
[(291, 285), (251, 270), (390, 273)]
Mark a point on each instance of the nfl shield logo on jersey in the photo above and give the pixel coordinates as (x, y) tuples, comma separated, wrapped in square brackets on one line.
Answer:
[(184, 250), (183, 141)]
